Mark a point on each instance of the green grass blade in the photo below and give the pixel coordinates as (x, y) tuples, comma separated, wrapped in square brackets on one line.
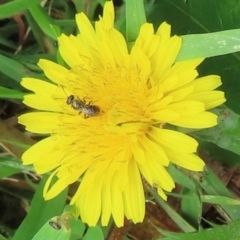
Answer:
[(212, 185), (40, 212), (9, 165), (227, 232), (219, 200), (181, 178), (135, 17), (10, 94), (209, 44), (191, 207), (94, 233), (226, 134), (13, 69), (12, 164), (45, 22), (50, 233), (185, 226), (10, 8)]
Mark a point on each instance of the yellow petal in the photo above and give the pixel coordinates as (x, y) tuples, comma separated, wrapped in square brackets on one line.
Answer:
[(165, 115), (181, 94), (138, 154), (106, 204), (40, 122), (167, 57), (54, 71), (48, 183), (186, 108), (206, 83), (200, 120), (108, 15), (117, 204), (163, 33), (89, 209), (107, 56), (146, 40), (40, 87), (122, 175), (70, 55), (139, 59), (42, 103), (210, 98), (159, 104), (166, 137), (161, 193), (86, 29), (154, 172), (183, 66), (154, 150), (59, 186), (33, 154), (147, 174), (134, 198), (93, 205), (186, 160), (184, 79), (115, 41)]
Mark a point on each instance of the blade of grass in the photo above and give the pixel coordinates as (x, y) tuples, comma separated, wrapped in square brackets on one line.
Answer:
[(45, 22), (2, 237), (51, 233), (14, 69), (10, 8), (219, 200), (191, 207), (13, 135), (40, 212), (209, 44), (94, 233), (9, 166), (13, 163), (24, 146), (7, 43), (226, 133), (181, 178), (77, 228), (213, 186), (185, 226), (227, 232), (10, 94), (135, 17)]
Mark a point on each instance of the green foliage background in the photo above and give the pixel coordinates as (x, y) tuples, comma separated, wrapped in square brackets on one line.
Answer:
[(209, 28)]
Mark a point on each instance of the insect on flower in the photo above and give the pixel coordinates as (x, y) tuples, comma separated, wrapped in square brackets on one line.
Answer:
[(83, 107)]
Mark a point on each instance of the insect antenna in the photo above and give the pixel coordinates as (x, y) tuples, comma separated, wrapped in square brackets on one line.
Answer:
[(62, 87)]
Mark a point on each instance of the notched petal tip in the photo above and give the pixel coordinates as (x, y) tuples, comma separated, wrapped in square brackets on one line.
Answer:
[(164, 29), (108, 15), (46, 190), (26, 82)]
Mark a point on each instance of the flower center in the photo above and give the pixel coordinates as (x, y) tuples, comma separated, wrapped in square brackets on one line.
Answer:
[(119, 92)]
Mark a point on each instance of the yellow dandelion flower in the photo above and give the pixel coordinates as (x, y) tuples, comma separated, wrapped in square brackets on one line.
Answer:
[(108, 117)]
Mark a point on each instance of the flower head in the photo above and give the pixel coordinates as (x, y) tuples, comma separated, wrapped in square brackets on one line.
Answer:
[(108, 116)]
